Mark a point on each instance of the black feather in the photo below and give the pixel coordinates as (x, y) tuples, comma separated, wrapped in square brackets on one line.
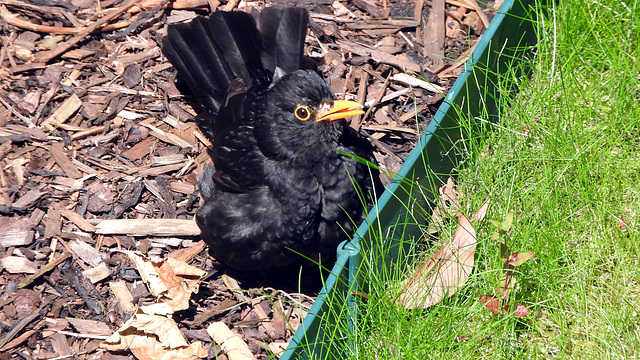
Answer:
[(283, 33), (210, 53)]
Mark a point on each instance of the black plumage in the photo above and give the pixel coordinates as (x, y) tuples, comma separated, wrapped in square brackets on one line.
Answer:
[(279, 184)]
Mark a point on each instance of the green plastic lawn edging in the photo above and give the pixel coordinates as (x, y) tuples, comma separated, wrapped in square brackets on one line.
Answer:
[(478, 93)]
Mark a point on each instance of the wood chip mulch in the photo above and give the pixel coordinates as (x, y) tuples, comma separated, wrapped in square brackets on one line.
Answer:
[(99, 155)]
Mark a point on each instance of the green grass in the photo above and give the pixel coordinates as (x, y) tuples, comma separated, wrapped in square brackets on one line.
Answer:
[(566, 159)]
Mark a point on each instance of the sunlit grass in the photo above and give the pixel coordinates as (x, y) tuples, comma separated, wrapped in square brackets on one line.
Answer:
[(565, 158)]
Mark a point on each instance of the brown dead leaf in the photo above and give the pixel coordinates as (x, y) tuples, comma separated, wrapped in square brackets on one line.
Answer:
[(449, 193), (152, 334), (520, 310), (482, 212), (278, 347), (231, 343), (436, 224), (448, 205), (492, 303), (169, 280), (445, 273)]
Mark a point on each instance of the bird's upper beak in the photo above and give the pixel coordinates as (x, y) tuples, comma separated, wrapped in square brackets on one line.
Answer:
[(340, 110)]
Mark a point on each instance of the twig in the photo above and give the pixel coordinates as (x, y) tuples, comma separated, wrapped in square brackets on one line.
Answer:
[(50, 266), (11, 19), (69, 356), (293, 300), (461, 60), (231, 5), (148, 227), (46, 56), (382, 146), (16, 113), (417, 11), (481, 14), (434, 34), (390, 128), (362, 96), (86, 336), (378, 98)]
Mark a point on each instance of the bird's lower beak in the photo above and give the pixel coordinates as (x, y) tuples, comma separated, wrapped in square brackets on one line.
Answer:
[(340, 110)]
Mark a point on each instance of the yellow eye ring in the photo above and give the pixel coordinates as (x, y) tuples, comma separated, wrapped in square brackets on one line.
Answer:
[(302, 112)]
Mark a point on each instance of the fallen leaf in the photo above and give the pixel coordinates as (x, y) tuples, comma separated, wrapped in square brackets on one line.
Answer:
[(151, 335), (231, 343), (169, 280), (448, 205), (521, 310), (437, 221), (622, 223), (278, 347), (482, 211), (448, 192), (445, 273), (492, 303)]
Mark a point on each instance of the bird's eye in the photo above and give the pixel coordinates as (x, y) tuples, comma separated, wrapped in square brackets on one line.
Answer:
[(302, 112)]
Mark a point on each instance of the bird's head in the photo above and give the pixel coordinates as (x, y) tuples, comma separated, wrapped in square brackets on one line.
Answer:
[(298, 116)]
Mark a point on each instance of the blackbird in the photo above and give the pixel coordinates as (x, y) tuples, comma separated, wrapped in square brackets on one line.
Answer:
[(280, 185)]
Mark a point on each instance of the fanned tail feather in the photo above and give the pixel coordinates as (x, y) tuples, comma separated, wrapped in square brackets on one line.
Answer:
[(210, 54), (283, 32)]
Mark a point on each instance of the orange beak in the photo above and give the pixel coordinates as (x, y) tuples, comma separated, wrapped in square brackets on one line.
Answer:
[(340, 110)]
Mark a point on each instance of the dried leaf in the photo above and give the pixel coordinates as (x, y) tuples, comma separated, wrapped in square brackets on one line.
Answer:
[(278, 347), (492, 303), (519, 258), (231, 343), (448, 204), (482, 211), (622, 223), (450, 194), (153, 336), (445, 273), (437, 222), (171, 281), (521, 310)]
